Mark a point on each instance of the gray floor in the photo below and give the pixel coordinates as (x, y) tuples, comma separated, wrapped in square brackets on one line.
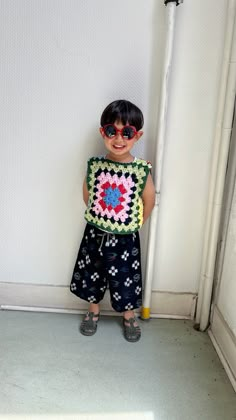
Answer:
[(48, 368)]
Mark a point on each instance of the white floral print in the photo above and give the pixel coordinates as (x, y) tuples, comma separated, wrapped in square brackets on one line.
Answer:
[(113, 271), (125, 255), (135, 264), (73, 287), (92, 233), (116, 296), (95, 276), (129, 306), (87, 259), (81, 264), (138, 290), (128, 282), (91, 299), (113, 241)]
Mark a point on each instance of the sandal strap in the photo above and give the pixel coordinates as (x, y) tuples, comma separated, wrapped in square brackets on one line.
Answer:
[(130, 322), (92, 315), (129, 325), (132, 332), (89, 326), (90, 322)]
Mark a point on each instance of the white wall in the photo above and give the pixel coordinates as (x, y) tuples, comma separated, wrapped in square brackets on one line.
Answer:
[(223, 317), (190, 131), (61, 63)]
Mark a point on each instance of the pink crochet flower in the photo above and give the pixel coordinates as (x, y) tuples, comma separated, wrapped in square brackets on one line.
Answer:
[(113, 196)]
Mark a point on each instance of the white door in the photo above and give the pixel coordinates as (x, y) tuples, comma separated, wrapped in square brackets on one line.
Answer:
[(223, 315)]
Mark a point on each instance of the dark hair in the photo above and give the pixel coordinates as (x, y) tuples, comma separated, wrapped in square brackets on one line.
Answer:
[(124, 112)]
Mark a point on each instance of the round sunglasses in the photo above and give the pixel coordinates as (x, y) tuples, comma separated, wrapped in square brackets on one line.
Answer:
[(128, 132)]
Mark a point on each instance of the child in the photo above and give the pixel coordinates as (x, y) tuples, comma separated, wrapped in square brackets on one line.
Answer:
[(119, 194)]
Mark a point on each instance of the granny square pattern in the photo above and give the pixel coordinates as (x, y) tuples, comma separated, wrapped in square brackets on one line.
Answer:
[(115, 190)]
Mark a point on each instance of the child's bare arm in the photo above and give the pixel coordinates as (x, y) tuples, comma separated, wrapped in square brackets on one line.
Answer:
[(148, 198), (85, 192)]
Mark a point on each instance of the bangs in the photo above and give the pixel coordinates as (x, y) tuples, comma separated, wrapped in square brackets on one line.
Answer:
[(124, 112)]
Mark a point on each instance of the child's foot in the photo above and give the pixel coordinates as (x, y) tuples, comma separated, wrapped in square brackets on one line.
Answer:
[(132, 331), (88, 325)]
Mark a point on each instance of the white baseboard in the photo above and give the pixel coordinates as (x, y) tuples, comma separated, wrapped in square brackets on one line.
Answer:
[(60, 299), (224, 342)]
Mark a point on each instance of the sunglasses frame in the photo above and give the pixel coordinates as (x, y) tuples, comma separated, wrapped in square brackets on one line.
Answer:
[(119, 131)]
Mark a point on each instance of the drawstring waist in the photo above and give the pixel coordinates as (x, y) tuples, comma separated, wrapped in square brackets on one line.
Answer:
[(108, 236)]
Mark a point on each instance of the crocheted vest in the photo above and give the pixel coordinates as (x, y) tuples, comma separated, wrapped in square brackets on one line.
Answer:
[(115, 204)]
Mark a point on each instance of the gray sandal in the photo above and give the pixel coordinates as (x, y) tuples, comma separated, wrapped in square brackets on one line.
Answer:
[(89, 326), (132, 333)]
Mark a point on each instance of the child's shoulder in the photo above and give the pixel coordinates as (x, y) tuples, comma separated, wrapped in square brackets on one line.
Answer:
[(96, 158), (143, 162)]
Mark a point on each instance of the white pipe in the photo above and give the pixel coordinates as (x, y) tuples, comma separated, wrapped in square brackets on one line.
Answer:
[(217, 178), (171, 10)]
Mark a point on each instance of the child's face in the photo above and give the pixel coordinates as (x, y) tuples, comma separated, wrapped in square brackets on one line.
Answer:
[(118, 147)]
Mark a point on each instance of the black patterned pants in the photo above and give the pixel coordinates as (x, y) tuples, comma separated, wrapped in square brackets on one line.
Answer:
[(107, 258)]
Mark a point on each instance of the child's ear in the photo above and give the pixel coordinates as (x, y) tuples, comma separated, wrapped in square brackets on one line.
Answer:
[(101, 132), (138, 135)]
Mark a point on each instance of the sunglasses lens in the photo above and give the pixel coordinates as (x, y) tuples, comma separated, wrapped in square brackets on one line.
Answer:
[(128, 133), (110, 131)]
